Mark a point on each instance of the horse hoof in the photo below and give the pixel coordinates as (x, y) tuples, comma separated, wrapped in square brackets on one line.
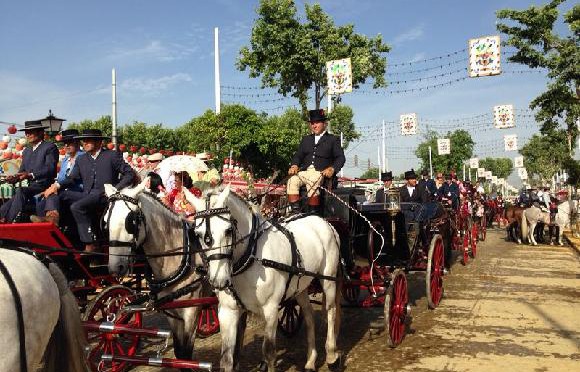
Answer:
[(336, 365), (263, 367)]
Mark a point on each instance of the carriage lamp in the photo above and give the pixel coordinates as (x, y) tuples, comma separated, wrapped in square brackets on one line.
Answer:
[(52, 123), (392, 201)]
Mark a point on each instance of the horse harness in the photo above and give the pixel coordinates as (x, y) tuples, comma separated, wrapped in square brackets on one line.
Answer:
[(45, 260)]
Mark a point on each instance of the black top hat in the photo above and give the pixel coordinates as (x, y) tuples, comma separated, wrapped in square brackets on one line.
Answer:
[(91, 134), (388, 176), (409, 175), (69, 135), (316, 115), (425, 173), (33, 125)]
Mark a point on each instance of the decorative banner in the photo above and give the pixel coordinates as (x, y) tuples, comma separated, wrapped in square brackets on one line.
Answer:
[(488, 175), (408, 124), (503, 116), (523, 173), (484, 56), (443, 146), (480, 172), (519, 162), (494, 179), (474, 163), (339, 76), (501, 181), (511, 142)]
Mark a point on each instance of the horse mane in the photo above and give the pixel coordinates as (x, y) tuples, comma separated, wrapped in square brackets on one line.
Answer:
[(151, 201)]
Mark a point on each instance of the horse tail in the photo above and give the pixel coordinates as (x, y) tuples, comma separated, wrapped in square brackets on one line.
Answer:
[(66, 348), (524, 227)]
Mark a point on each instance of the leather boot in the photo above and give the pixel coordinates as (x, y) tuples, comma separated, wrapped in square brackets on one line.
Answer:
[(294, 202), (314, 205), (52, 216)]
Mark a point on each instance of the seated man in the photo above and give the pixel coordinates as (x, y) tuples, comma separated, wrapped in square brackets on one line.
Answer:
[(38, 166), (451, 190), (319, 155), (50, 205), (99, 166), (410, 193), (387, 178)]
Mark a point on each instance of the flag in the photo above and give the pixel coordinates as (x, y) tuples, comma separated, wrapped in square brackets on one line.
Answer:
[(503, 116), (443, 146), (408, 124), (484, 56), (510, 142), (339, 76)]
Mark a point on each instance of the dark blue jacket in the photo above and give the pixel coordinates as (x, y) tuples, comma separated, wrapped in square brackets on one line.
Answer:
[(109, 167), (326, 153), (41, 163)]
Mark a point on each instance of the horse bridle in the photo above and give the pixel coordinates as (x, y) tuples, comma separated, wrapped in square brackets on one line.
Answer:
[(132, 222), (205, 216)]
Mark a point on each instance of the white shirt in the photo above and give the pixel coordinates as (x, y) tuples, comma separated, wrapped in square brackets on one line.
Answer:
[(410, 189), (318, 137), (96, 155), (36, 146)]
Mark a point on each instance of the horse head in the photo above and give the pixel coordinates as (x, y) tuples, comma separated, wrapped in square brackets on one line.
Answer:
[(126, 224), (215, 231)]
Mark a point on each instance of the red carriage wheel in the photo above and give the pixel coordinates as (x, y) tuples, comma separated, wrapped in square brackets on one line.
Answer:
[(396, 302), (107, 307), (374, 241), (434, 275), (474, 234), (208, 323), (466, 241), (483, 229), (290, 318)]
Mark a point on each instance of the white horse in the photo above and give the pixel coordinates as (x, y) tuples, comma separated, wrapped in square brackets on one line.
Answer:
[(137, 218), (563, 218), (530, 219), (239, 243), (52, 338)]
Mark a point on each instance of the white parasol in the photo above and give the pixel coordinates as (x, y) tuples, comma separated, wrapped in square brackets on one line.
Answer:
[(179, 163)]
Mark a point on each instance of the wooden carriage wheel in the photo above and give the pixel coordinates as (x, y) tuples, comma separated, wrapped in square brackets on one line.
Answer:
[(290, 318), (396, 309), (483, 229), (434, 274), (102, 308), (474, 234), (466, 242)]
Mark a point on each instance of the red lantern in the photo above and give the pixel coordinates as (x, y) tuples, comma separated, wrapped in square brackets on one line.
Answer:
[(58, 138), (142, 150), (16, 156), (134, 149), (12, 129), (110, 145), (122, 147), (62, 151), (3, 145), (18, 147), (152, 151), (129, 159)]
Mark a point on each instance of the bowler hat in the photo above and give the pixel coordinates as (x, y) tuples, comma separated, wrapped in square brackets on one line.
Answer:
[(388, 176), (316, 115), (68, 135), (409, 175), (91, 134), (33, 125)]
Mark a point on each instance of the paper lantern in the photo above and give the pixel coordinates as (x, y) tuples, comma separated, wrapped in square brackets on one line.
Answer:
[(488, 175), (511, 142), (523, 173), (339, 76), (480, 172), (12, 129), (6, 139), (408, 124), (22, 141), (484, 56), (443, 146), (519, 162), (503, 116), (474, 163)]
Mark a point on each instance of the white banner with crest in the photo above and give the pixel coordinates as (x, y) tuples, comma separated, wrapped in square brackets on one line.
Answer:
[(339, 76), (510, 142), (408, 124), (484, 56), (503, 116), (480, 172), (519, 162), (474, 163), (443, 146)]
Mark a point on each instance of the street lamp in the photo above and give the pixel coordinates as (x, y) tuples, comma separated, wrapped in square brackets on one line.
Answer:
[(52, 123)]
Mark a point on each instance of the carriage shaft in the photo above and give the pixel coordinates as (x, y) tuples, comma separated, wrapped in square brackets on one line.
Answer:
[(158, 362)]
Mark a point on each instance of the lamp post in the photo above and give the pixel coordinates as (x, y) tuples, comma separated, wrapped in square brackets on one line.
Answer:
[(53, 123)]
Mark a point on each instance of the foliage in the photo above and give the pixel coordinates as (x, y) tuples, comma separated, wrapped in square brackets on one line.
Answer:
[(104, 123), (538, 46), (545, 154), (290, 55), (151, 136), (500, 167), (372, 173), (572, 168), (340, 120), (461, 150)]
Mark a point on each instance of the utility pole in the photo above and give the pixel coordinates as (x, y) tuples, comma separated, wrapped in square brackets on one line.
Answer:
[(114, 107), (217, 71)]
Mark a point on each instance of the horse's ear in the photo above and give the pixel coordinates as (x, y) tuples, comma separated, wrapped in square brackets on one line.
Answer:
[(132, 192), (109, 189), (197, 203), (223, 196)]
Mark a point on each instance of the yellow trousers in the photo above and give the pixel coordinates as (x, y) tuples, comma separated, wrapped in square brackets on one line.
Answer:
[(310, 177)]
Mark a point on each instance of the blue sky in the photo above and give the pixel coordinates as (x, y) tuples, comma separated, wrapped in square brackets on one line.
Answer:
[(59, 54)]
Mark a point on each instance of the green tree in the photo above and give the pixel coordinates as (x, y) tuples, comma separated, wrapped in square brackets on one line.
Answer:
[(104, 123), (500, 167), (461, 150), (372, 173), (531, 32), (545, 154), (291, 55), (572, 168), (340, 121)]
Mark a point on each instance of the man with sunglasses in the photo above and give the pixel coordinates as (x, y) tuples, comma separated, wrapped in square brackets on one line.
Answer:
[(38, 167), (319, 155), (49, 209)]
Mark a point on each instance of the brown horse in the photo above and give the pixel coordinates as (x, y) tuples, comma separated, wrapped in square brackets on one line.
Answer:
[(513, 215)]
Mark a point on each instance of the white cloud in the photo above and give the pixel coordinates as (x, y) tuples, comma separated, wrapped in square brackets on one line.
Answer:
[(156, 50), (417, 57), (153, 86), (410, 35)]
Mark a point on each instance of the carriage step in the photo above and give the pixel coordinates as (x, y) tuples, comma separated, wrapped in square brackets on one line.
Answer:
[(110, 327), (158, 362)]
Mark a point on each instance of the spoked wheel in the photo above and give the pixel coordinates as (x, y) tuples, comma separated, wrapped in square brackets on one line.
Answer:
[(434, 275), (351, 293), (474, 234), (107, 307), (208, 323), (396, 309), (466, 242), (483, 229), (290, 318), (374, 241)]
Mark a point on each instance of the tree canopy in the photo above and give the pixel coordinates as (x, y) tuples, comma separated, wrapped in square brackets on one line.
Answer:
[(500, 167), (545, 154), (461, 150), (290, 54), (531, 32), (372, 173), (340, 121)]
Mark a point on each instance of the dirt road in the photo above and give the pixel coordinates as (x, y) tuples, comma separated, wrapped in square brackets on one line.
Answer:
[(514, 308)]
